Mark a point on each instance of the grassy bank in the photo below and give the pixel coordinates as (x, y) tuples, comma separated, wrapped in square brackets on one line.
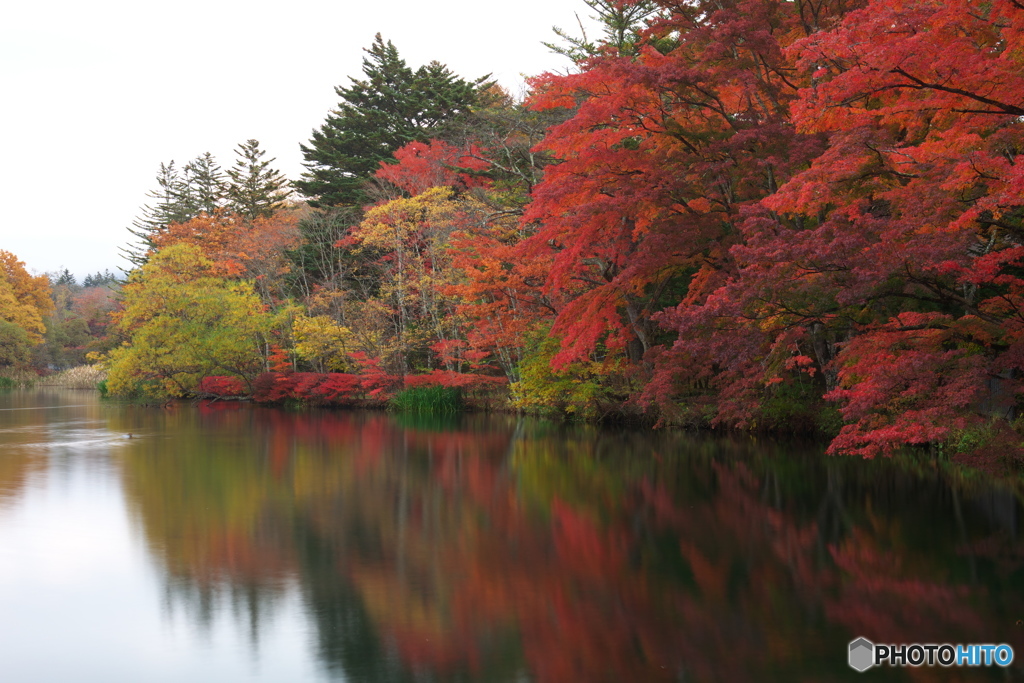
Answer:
[(11, 378)]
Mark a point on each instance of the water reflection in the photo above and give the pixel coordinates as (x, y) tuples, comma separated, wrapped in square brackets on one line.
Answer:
[(498, 549), (38, 429)]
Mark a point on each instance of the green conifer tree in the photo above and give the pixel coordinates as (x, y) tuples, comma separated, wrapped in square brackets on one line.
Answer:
[(180, 196), (165, 210), (390, 107), (203, 186), (64, 278), (254, 189)]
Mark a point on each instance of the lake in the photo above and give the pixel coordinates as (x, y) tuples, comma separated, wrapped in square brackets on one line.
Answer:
[(228, 542)]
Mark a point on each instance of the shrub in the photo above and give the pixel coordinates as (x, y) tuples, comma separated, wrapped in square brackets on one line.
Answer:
[(221, 386)]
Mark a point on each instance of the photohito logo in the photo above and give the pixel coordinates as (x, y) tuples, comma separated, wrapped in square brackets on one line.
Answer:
[(864, 654)]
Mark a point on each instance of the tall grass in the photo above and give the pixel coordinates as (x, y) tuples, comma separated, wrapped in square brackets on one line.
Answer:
[(433, 400), (82, 377), (11, 378)]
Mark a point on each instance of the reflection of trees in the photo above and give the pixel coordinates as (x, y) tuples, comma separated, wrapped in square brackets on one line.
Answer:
[(30, 433), (17, 468), (486, 548), (210, 511)]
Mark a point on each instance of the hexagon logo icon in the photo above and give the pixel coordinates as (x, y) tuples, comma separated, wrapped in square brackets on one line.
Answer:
[(862, 654)]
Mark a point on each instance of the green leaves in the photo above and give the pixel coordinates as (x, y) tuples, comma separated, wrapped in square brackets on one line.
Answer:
[(183, 323)]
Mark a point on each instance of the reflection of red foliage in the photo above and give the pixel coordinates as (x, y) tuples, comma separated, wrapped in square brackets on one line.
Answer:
[(455, 552), (238, 554), (582, 547), (874, 580), (208, 408)]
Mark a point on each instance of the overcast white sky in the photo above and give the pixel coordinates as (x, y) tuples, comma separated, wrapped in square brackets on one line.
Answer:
[(94, 95)]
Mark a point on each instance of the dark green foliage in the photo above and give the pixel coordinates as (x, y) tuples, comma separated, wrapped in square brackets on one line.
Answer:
[(436, 400), (180, 196), (790, 406), (167, 209), (318, 263), (65, 278), (255, 190), (203, 189), (100, 279), (391, 107), (66, 341), (101, 387)]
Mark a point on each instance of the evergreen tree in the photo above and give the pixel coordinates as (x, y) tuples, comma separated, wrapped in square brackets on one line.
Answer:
[(620, 24), (255, 190), (391, 107), (99, 279), (164, 211), (180, 196), (65, 278), (203, 186)]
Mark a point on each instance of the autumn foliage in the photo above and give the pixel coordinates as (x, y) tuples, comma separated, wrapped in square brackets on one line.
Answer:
[(791, 203), (24, 299), (748, 214)]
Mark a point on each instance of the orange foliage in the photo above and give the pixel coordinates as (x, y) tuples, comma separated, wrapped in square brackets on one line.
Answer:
[(239, 248), (24, 299)]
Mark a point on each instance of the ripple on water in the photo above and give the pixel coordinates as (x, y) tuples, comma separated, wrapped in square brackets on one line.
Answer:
[(47, 439)]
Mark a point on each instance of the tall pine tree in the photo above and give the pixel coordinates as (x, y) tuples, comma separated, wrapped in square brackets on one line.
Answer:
[(391, 107), (203, 185), (180, 196), (255, 189), (166, 209)]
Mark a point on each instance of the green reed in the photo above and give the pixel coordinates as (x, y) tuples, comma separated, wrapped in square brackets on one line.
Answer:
[(434, 400)]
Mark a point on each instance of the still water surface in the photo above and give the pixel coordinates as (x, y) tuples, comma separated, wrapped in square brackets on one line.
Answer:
[(232, 543)]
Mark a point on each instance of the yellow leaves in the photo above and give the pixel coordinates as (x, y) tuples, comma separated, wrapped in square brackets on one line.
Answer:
[(577, 389), (432, 212), (322, 341), (184, 323), (389, 225), (24, 299)]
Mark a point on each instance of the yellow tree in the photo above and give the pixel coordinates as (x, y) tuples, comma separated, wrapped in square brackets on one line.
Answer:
[(24, 299), (411, 236), (183, 321), (322, 342)]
